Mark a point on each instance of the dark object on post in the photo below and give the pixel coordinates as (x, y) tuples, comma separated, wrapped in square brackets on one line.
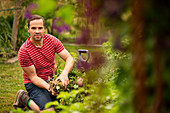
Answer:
[(80, 56)]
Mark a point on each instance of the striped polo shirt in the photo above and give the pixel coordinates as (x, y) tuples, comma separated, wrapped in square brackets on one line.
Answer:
[(42, 58)]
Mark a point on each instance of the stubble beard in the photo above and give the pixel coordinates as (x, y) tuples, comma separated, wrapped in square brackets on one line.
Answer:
[(37, 39)]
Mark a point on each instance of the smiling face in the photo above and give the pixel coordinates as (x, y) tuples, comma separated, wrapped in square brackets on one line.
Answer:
[(36, 29)]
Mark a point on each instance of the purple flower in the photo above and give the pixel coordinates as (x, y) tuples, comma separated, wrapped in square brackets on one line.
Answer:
[(84, 37), (112, 8), (82, 66), (101, 39), (88, 11), (28, 10), (27, 14), (59, 25), (79, 0), (97, 60)]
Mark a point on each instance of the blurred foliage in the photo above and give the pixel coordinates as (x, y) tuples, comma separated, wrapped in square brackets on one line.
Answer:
[(105, 86), (66, 13), (22, 33), (6, 31), (110, 87), (104, 94), (59, 17), (157, 35), (50, 6), (6, 36)]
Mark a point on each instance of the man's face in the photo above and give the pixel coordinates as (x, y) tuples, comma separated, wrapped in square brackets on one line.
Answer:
[(36, 29)]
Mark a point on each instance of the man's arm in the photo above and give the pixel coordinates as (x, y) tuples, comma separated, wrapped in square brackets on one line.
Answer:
[(31, 73), (69, 62)]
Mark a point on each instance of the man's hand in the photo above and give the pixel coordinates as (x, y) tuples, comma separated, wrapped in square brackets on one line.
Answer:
[(53, 92), (69, 62), (55, 86), (64, 80)]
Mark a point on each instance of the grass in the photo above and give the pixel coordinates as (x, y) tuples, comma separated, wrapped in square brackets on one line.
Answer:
[(10, 82), (11, 79)]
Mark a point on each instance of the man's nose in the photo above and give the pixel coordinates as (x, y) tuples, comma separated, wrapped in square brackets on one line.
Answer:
[(37, 30)]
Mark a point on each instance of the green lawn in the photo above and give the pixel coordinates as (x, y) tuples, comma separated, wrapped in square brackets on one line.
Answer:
[(11, 80)]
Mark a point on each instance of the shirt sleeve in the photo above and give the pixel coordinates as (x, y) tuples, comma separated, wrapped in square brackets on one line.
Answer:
[(58, 45), (24, 59)]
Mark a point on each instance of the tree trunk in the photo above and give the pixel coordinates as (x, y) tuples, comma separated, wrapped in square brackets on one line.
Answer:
[(138, 54), (16, 24), (158, 101)]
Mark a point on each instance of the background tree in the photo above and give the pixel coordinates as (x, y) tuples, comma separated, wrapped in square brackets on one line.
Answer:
[(17, 15), (138, 52), (134, 76)]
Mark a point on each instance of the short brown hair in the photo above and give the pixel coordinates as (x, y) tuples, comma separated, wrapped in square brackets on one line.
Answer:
[(34, 17)]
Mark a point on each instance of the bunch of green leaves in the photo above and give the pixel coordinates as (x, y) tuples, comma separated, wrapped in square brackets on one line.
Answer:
[(23, 34), (72, 75), (64, 11), (66, 99), (6, 33), (101, 96), (118, 70), (5, 38), (115, 54)]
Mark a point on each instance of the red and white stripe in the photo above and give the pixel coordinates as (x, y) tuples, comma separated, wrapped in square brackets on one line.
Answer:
[(42, 58)]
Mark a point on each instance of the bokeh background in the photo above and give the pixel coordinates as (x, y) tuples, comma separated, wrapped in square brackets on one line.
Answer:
[(128, 70)]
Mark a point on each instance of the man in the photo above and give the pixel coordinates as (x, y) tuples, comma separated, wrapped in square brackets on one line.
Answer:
[(36, 57)]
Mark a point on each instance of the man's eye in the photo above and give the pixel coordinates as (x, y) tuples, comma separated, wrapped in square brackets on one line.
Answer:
[(33, 28), (40, 28)]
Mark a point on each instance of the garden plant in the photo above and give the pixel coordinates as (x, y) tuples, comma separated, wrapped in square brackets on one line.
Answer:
[(128, 73)]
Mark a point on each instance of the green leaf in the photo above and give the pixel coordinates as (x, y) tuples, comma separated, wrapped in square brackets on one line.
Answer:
[(109, 106), (66, 13), (62, 107), (51, 103), (81, 90), (77, 106), (45, 111), (57, 87), (30, 111), (75, 86), (18, 110), (63, 95), (45, 7)]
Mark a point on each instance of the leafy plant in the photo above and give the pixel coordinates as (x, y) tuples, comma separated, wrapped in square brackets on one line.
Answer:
[(105, 85), (6, 33), (5, 38), (22, 33)]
